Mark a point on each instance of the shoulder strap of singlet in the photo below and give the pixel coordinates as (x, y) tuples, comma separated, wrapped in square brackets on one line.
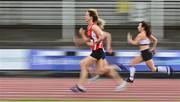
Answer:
[(90, 27)]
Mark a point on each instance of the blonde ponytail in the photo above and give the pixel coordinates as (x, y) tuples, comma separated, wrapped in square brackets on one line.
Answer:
[(101, 23)]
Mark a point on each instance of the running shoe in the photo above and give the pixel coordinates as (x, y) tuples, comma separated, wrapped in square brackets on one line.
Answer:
[(76, 88)]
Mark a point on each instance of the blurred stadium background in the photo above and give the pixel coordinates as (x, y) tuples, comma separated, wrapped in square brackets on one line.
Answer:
[(52, 23), (36, 36), (27, 25)]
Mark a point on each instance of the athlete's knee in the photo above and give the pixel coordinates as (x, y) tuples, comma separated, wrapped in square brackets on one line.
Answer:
[(83, 64), (102, 71)]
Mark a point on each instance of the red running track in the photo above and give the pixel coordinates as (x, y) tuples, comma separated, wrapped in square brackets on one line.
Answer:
[(167, 90)]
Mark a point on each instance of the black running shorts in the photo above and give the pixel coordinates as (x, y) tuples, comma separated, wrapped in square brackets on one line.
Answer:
[(146, 54), (98, 54)]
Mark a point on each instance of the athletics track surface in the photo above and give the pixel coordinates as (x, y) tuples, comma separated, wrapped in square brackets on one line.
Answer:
[(142, 90)]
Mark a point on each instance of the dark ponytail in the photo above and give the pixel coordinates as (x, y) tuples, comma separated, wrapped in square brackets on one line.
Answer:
[(147, 28)]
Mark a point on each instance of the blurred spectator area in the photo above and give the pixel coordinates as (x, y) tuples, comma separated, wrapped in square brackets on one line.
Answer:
[(39, 23)]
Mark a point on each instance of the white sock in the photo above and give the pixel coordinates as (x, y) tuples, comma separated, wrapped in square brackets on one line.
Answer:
[(121, 85), (94, 78), (162, 69), (132, 72)]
